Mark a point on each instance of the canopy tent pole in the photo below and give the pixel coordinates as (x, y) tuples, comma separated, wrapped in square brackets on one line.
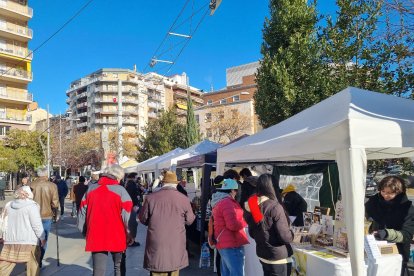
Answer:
[(352, 164)]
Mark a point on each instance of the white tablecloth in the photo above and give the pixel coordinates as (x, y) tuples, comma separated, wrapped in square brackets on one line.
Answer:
[(387, 265)]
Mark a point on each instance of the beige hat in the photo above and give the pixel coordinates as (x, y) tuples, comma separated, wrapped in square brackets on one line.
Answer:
[(170, 177)]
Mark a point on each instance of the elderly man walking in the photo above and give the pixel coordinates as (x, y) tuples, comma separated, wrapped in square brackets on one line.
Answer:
[(103, 218), (45, 194), (166, 212)]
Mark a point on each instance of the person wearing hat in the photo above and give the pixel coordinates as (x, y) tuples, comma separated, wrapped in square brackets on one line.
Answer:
[(229, 228), (294, 204), (166, 212)]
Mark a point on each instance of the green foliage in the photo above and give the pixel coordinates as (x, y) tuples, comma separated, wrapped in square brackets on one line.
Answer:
[(162, 135), (192, 133), (303, 64), (290, 77), (23, 150), (7, 161)]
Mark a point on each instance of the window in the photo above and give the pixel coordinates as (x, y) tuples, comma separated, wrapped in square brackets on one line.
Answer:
[(208, 117), (4, 130), (234, 113), (209, 133), (197, 118), (221, 114), (210, 102), (223, 101), (236, 98)]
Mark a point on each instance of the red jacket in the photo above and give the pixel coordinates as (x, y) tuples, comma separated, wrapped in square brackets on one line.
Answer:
[(229, 224), (104, 212)]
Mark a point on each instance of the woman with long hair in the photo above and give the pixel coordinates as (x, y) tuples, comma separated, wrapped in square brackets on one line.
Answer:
[(269, 226)]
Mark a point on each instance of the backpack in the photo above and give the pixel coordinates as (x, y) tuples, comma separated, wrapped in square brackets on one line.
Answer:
[(210, 238)]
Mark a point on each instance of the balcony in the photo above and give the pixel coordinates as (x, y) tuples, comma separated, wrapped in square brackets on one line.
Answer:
[(106, 122), (82, 105), (107, 100), (84, 124), (15, 96), (15, 10), (15, 119), (181, 95), (14, 74), (153, 105), (152, 115), (82, 95), (130, 122), (21, 53), (83, 114), (14, 31), (100, 110)]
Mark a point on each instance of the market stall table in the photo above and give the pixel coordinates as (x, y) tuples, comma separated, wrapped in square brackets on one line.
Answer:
[(317, 262), (322, 262)]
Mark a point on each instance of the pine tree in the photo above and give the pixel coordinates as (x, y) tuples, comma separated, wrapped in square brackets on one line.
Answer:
[(291, 76), (192, 135)]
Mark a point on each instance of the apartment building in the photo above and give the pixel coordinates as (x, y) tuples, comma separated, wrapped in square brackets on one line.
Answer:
[(229, 112), (15, 65), (177, 89), (93, 99)]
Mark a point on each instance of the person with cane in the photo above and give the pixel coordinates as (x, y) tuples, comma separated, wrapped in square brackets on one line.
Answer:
[(45, 194)]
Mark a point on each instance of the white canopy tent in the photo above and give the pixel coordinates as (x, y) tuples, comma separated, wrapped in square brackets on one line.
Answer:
[(150, 165), (202, 147), (350, 127)]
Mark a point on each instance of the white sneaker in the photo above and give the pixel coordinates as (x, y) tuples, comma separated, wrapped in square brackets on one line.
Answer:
[(62, 217)]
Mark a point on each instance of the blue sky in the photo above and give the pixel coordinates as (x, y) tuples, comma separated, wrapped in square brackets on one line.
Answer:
[(119, 34)]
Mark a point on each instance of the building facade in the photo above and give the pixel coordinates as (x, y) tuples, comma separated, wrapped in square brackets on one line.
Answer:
[(93, 99), (229, 113), (15, 65)]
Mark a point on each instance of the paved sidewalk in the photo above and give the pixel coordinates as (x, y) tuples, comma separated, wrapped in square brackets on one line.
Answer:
[(75, 261)]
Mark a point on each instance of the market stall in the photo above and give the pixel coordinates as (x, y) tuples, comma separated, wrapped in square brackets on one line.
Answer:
[(151, 165), (350, 127), (202, 147)]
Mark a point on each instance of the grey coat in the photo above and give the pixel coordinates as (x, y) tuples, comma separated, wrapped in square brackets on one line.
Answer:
[(166, 212)]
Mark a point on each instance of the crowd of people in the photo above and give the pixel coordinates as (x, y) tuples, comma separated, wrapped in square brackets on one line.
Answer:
[(109, 206)]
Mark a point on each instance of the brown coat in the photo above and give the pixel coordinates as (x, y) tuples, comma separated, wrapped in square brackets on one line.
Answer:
[(45, 193), (166, 212)]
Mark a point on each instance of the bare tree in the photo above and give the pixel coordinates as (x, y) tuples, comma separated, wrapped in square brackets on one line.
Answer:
[(227, 124)]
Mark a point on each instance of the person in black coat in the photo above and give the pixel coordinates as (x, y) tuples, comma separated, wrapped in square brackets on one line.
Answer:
[(392, 215), (248, 187), (135, 194), (294, 203)]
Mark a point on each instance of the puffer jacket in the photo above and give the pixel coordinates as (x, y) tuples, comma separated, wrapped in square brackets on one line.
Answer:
[(45, 193), (269, 227), (24, 225), (396, 217), (228, 221)]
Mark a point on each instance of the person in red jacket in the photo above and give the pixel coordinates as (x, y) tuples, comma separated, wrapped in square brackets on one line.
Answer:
[(103, 217), (229, 229)]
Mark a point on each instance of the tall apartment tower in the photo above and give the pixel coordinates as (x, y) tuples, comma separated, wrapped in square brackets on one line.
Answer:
[(15, 65), (93, 100)]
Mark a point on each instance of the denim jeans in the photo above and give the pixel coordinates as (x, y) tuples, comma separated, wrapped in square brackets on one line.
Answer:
[(99, 260), (232, 261), (47, 224)]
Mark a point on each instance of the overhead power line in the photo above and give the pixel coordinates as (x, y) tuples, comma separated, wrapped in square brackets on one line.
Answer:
[(54, 34), (179, 35)]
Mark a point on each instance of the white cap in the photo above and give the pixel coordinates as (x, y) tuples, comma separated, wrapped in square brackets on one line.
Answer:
[(95, 172)]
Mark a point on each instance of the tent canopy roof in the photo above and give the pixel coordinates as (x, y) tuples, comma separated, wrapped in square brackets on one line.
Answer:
[(354, 118), (202, 147), (149, 164)]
